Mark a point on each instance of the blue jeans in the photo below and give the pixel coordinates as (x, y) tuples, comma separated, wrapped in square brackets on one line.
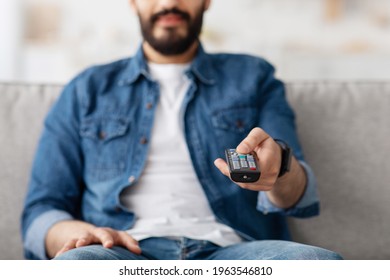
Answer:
[(190, 249)]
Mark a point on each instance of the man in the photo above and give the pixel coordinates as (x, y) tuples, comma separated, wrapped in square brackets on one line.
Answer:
[(124, 169)]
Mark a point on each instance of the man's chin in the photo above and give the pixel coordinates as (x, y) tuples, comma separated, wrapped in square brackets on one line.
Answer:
[(170, 44), (168, 34), (169, 48), (170, 41)]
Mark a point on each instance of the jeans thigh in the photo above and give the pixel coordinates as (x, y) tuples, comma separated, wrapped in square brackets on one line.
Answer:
[(98, 252), (273, 250)]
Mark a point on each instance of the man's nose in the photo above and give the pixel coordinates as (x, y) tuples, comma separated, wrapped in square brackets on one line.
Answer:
[(169, 4)]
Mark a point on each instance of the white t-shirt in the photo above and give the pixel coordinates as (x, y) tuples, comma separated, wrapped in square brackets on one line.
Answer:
[(168, 200)]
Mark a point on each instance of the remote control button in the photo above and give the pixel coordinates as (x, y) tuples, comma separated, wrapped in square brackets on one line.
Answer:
[(244, 163), (236, 165), (252, 165), (253, 168)]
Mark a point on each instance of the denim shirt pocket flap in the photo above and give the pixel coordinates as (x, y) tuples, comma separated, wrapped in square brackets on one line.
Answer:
[(238, 119), (104, 129)]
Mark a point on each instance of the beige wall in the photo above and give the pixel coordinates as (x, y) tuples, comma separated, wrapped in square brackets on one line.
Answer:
[(305, 39)]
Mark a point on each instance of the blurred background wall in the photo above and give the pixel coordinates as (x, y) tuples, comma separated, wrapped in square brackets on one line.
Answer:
[(51, 41)]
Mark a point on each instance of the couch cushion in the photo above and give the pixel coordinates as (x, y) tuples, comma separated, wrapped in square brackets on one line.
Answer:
[(344, 129)]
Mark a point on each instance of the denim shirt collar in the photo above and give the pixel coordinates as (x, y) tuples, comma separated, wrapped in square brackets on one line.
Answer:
[(201, 68)]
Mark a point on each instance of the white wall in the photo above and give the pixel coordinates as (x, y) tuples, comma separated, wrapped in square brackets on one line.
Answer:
[(10, 38)]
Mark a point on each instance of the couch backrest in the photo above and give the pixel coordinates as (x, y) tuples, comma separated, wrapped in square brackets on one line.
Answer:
[(22, 110), (344, 130)]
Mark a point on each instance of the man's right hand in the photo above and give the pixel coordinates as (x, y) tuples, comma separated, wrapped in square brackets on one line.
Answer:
[(67, 235)]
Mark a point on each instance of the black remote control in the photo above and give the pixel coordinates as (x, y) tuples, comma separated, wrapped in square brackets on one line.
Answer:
[(243, 168)]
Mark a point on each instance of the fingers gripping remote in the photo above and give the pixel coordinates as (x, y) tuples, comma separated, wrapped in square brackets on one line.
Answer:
[(243, 168)]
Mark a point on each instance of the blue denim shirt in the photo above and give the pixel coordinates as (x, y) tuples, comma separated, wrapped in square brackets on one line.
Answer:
[(95, 144)]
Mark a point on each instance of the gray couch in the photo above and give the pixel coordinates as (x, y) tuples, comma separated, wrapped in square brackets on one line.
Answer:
[(344, 129)]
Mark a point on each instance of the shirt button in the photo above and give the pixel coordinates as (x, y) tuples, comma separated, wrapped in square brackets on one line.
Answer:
[(102, 135), (131, 179), (143, 140), (239, 124), (149, 106)]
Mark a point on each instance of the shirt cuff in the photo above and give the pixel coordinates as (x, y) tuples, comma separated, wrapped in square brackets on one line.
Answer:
[(36, 234), (308, 200)]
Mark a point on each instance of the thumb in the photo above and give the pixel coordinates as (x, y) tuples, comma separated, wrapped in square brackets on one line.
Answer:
[(222, 166)]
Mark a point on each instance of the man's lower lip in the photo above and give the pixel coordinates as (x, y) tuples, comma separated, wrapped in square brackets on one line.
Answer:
[(170, 20)]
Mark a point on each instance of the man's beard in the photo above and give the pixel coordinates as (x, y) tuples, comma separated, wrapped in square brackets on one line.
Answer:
[(172, 43)]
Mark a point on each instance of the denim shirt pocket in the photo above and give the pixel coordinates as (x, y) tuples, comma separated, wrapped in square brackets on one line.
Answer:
[(232, 125), (105, 146)]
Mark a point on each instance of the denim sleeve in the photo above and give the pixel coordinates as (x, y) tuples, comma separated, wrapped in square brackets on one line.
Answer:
[(278, 120), (306, 206), (34, 242), (56, 184)]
